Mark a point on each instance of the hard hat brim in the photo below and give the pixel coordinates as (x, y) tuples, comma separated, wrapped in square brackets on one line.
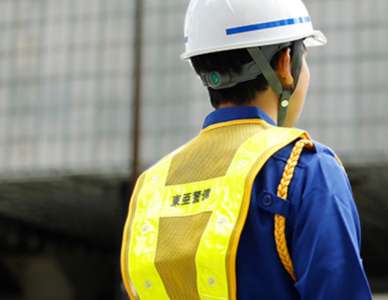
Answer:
[(317, 39)]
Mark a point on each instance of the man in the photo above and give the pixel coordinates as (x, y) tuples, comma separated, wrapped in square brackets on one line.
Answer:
[(251, 208)]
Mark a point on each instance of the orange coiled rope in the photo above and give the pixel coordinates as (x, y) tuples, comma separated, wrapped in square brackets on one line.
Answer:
[(280, 221)]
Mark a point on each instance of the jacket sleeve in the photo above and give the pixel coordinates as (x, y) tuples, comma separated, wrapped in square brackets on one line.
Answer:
[(325, 240)]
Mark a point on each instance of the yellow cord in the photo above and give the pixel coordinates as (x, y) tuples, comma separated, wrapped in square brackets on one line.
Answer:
[(280, 221)]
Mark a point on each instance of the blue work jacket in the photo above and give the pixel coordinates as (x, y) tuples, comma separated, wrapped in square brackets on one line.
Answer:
[(323, 228)]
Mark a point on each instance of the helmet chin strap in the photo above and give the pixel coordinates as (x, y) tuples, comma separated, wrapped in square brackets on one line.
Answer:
[(273, 79)]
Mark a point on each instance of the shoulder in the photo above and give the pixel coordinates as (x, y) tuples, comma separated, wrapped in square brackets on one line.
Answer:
[(320, 161), (318, 170), (319, 184), (321, 155)]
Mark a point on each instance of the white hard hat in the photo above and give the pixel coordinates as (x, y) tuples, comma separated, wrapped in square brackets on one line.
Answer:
[(221, 25)]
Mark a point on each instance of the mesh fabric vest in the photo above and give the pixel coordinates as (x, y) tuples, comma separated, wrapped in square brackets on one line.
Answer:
[(187, 212)]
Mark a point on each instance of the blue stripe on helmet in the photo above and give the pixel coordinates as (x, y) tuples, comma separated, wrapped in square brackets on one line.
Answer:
[(267, 25)]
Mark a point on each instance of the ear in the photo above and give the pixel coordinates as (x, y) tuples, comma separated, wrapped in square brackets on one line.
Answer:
[(283, 68)]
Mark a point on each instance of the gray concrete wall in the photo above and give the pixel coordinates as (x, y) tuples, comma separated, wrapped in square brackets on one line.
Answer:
[(380, 297), (65, 69)]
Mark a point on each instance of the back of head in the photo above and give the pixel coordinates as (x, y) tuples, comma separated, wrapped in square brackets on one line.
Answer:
[(226, 62)]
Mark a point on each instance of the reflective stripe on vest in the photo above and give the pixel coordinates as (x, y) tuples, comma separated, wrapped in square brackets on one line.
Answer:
[(188, 211)]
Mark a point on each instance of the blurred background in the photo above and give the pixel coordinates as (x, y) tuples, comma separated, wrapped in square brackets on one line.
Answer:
[(93, 91)]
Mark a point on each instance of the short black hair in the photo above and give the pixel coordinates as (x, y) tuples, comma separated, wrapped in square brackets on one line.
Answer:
[(241, 94)]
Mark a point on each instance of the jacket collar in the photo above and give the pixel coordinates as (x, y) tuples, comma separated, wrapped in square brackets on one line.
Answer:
[(236, 113)]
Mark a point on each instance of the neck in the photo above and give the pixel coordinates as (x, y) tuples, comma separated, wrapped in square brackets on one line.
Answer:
[(267, 101)]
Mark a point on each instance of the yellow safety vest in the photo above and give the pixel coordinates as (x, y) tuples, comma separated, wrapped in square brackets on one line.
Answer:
[(187, 212)]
